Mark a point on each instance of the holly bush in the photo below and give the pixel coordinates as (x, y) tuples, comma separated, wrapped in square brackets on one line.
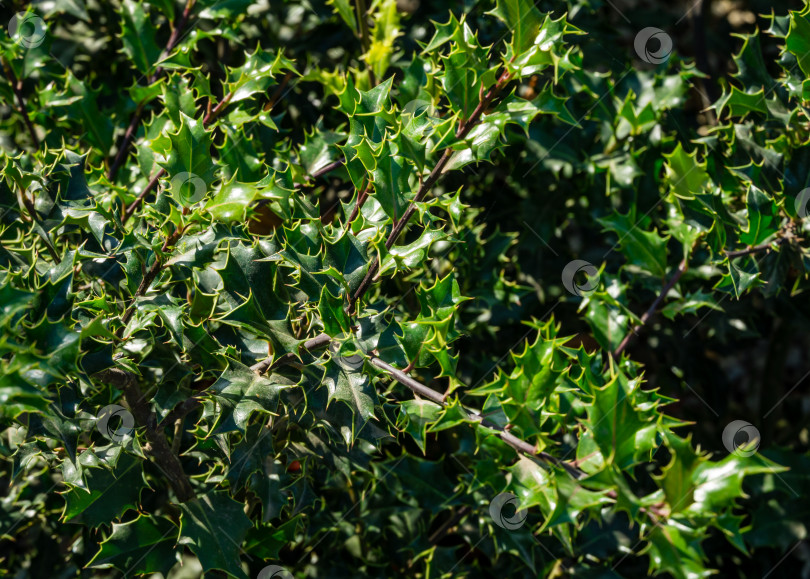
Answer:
[(399, 289)]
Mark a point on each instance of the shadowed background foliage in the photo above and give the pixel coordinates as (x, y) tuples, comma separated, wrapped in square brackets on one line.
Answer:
[(633, 166)]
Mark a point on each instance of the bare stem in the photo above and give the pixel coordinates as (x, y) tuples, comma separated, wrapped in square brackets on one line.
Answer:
[(365, 37), (328, 168), (757, 248), (361, 199), (32, 211), (123, 148), (425, 392), (150, 276), (16, 86), (153, 181), (682, 267), (464, 129), (158, 448)]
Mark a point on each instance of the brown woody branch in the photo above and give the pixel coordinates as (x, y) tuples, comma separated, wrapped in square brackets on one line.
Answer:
[(270, 364), (464, 129), (654, 306), (425, 392), (756, 248), (17, 86), (158, 448), (123, 148), (150, 275), (328, 168), (361, 199)]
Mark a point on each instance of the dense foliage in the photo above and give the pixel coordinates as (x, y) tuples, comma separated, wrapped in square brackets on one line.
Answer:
[(331, 289)]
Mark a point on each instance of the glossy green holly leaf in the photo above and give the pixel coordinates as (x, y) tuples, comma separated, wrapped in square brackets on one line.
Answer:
[(797, 41), (350, 386), (345, 10), (390, 177), (232, 202), (418, 415), (763, 217), (521, 17), (720, 484), (686, 176), (80, 104), (385, 31), (333, 316), (143, 545), (623, 434), (440, 300), (107, 494), (690, 304), (186, 156), (138, 36), (644, 249), (672, 551), (572, 500), (257, 74), (738, 280), (213, 526), (676, 477), (741, 103), (178, 98), (240, 392), (465, 70)]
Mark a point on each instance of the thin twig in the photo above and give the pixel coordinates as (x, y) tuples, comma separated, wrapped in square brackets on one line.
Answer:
[(365, 39), (16, 86), (150, 276), (32, 211), (417, 387), (328, 168), (463, 130), (270, 363), (756, 249), (210, 117), (361, 199), (130, 211), (158, 448), (502, 433), (443, 530), (123, 148), (682, 267)]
